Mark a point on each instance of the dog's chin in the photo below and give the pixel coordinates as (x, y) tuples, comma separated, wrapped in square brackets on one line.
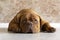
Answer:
[(30, 29)]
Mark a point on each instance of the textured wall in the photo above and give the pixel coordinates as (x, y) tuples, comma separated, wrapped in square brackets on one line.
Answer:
[(48, 9)]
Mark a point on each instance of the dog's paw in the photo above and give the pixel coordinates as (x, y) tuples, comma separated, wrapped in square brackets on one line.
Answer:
[(50, 30)]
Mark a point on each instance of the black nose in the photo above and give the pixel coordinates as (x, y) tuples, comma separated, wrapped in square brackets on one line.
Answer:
[(29, 24)]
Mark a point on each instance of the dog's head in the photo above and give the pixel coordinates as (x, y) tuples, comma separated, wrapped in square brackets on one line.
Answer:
[(29, 21)]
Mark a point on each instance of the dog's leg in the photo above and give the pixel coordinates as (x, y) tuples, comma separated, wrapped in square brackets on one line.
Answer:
[(47, 28)]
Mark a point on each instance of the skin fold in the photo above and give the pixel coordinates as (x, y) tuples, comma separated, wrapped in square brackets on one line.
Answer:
[(28, 21)]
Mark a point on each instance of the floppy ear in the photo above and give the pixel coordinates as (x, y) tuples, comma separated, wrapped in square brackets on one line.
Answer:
[(45, 26), (14, 24), (42, 22)]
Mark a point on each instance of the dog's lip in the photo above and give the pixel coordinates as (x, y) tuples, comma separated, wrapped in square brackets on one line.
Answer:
[(30, 28)]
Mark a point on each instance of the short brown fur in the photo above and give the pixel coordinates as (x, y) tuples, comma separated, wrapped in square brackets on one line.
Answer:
[(28, 21)]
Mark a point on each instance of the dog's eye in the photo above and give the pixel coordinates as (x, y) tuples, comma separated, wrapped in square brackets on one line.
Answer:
[(24, 21), (35, 21)]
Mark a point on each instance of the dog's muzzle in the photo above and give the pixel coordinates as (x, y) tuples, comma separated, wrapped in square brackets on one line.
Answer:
[(29, 25), (31, 28)]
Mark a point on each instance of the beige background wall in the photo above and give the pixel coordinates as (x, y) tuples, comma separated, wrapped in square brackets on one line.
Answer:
[(48, 9)]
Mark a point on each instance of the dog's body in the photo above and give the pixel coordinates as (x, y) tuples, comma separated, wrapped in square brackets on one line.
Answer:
[(28, 21)]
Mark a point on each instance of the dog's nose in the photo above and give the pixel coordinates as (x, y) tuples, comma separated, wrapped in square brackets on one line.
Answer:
[(30, 24)]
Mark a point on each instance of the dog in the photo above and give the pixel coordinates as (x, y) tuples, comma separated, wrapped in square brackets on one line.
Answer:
[(28, 21)]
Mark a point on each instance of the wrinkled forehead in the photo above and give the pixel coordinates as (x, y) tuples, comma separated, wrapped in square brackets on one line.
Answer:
[(31, 15)]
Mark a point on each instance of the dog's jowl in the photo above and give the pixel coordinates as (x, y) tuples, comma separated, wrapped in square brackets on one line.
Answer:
[(28, 21)]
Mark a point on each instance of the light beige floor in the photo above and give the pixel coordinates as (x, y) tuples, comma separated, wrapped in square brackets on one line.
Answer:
[(5, 35)]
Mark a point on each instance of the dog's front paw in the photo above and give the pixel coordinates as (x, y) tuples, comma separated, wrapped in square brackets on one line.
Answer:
[(50, 30)]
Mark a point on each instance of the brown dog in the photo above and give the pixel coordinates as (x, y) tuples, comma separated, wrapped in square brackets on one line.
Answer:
[(28, 21)]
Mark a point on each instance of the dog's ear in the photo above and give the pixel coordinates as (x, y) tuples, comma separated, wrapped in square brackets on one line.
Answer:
[(14, 24), (45, 26), (42, 22), (18, 16)]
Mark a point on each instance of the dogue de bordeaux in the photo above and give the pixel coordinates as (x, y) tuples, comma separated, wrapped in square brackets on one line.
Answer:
[(28, 21)]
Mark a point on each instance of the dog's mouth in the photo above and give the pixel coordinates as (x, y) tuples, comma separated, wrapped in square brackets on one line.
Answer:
[(29, 31), (29, 27)]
